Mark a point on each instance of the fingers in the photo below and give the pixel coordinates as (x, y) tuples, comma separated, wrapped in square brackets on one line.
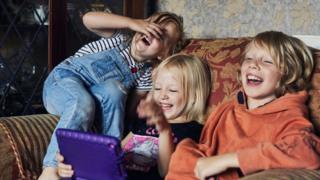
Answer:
[(59, 157), (148, 28), (152, 112), (65, 170), (146, 108), (151, 29), (154, 30)]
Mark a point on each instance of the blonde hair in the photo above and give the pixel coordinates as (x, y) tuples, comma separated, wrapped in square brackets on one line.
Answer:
[(194, 75), (165, 17), (292, 57)]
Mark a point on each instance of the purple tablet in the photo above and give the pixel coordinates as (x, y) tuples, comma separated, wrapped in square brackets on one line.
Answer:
[(92, 156)]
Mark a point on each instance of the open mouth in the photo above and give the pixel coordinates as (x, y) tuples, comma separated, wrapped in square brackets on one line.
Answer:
[(254, 80), (165, 107), (146, 40)]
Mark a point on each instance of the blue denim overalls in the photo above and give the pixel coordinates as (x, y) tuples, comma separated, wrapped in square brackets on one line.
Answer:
[(76, 86)]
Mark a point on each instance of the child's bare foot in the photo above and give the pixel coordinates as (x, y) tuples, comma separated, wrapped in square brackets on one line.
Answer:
[(49, 173)]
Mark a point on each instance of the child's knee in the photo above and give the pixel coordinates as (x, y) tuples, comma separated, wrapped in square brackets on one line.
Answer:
[(113, 91), (86, 103)]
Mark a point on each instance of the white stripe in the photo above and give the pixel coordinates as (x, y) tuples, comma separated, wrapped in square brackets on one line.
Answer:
[(144, 82), (103, 45), (94, 45), (99, 46)]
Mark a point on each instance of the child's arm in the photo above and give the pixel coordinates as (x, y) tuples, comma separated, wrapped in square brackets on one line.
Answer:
[(126, 139), (150, 110), (64, 170), (166, 148), (296, 147), (210, 166), (104, 24)]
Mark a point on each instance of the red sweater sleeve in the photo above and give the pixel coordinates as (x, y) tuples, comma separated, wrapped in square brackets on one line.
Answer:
[(296, 149)]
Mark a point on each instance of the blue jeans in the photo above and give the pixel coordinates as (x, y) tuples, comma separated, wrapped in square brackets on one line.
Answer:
[(77, 87)]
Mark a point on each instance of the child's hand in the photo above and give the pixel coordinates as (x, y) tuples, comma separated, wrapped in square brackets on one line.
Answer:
[(210, 166), (148, 109), (64, 170), (147, 28)]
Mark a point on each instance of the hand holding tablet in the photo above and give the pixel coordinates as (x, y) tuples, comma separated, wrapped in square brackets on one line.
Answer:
[(92, 156)]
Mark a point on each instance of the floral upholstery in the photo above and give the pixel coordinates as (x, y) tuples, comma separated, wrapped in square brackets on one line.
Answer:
[(314, 102), (223, 57)]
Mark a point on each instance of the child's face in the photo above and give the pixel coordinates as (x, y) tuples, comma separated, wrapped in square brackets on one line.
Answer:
[(146, 48), (259, 75), (169, 95)]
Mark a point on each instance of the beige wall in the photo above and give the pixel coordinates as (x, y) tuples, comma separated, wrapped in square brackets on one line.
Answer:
[(233, 18)]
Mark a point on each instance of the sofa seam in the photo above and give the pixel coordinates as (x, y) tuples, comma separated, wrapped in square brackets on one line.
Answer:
[(14, 148)]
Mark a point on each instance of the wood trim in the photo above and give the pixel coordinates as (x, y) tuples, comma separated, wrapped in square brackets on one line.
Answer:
[(57, 32), (134, 8)]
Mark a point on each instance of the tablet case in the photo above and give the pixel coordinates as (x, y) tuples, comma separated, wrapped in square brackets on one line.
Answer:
[(92, 156)]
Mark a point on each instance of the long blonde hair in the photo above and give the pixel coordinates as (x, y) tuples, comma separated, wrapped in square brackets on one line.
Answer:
[(194, 75)]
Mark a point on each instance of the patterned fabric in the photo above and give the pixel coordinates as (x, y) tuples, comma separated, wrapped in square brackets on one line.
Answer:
[(223, 56), (314, 102), (8, 163), (23, 142), (237, 18)]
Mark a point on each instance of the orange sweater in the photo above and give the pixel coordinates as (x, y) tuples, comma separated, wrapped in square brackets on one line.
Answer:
[(276, 135)]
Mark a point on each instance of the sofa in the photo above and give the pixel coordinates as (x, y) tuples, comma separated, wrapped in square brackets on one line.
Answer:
[(24, 139)]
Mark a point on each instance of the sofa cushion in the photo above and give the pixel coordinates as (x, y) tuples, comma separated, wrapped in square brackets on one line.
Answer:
[(314, 102), (8, 163), (285, 174), (223, 57), (24, 140)]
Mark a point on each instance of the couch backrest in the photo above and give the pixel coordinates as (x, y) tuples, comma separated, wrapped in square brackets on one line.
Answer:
[(223, 57)]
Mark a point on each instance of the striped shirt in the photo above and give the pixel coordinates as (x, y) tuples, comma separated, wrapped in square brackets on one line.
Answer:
[(143, 81)]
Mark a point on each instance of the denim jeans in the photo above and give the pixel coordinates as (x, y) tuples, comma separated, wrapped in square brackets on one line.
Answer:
[(79, 86)]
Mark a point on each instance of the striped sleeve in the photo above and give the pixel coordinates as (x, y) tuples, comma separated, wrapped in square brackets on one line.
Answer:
[(102, 44), (144, 82)]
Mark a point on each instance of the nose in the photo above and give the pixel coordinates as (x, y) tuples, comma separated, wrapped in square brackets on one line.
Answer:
[(254, 64), (163, 95)]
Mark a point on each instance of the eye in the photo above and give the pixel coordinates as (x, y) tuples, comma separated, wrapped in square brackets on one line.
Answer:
[(268, 61), (173, 90), (157, 89), (247, 58)]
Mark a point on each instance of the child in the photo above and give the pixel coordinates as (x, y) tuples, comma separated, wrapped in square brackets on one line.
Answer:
[(265, 126), (98, 77), (176, 108)]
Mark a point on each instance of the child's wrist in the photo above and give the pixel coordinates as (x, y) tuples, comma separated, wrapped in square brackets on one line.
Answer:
[(165, 130), (233, 160)]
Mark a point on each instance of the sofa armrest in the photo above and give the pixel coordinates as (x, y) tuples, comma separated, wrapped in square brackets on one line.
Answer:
[(284, 174), (23, 143)]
